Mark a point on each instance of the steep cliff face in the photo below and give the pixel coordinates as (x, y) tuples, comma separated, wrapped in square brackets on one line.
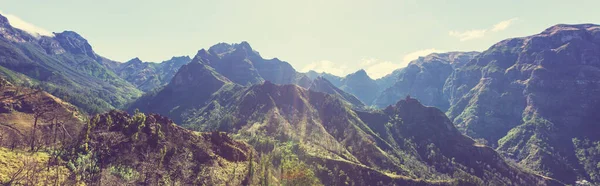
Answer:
[(424, 79), (534, 98)]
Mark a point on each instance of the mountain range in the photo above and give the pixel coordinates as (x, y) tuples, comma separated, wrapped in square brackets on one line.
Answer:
[(519, 113)]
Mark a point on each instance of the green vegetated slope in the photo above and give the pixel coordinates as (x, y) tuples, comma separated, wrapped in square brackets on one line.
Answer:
[(46, 141), (31, 118), (64, 65), (536, 99), (150, 150)]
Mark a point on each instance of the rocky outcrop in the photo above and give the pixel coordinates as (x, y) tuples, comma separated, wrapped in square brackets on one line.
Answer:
[(74, 43)]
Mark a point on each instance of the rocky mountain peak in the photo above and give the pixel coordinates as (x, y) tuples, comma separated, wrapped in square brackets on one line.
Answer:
[(135, 60), (569, 28), (220, 48), (75, 43), (243, 45), (3, 21), (180, 58), (361, 72), (196, 73)]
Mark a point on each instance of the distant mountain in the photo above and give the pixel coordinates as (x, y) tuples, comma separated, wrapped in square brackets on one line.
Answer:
[(335, 80), (361, 85), (388, 80), (191, 87), (64, 65), (536, 98), (244, 66), (148, 75), (423, 79), (320, 84)]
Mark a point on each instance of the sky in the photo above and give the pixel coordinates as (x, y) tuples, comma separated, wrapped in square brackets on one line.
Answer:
[(335, 36)]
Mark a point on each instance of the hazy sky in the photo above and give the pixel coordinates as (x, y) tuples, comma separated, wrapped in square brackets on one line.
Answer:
[(337, 36)]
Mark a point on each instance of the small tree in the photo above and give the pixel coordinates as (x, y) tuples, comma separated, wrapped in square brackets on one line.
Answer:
[(40, 111)]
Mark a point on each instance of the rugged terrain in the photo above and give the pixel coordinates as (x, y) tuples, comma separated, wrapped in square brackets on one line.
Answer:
[(325, 134), (535, 98)]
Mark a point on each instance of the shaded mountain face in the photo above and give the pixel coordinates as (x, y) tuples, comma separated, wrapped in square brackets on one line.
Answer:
[(536, 99), (388, 80), (191, 87), (335, 80), (148, 75), (320, 84), (244, 66), (64, 65), (433, 139), (361, 85), (423, 79), (150, 149)]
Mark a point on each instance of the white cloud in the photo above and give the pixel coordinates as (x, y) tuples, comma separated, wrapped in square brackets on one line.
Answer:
[(326, 66), (374, 67), (25, 26), (367, 61), (416, 54), (380, 69), (503, 25), (468, 35), (479, 33)]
